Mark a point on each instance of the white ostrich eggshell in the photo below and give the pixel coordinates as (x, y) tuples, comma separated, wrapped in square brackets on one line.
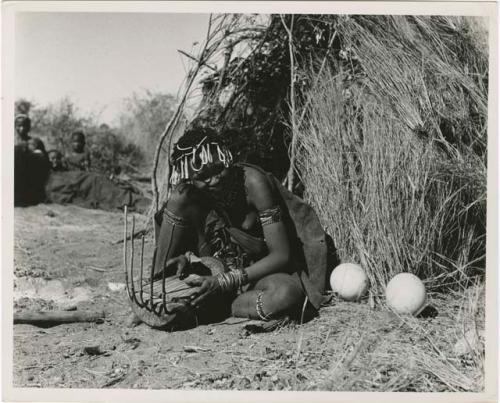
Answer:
[(349, 281), (405, 293)]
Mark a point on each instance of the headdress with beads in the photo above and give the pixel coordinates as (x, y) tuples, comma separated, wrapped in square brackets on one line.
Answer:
[(194, 158)]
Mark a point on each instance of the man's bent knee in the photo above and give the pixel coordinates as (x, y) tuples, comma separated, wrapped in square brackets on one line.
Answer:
[(287, 296), (283, 297)]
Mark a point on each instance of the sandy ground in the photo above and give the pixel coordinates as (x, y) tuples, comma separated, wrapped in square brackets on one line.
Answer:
[(66, 257)]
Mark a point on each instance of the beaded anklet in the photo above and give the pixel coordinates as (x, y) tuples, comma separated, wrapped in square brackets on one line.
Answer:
[(259, 308)]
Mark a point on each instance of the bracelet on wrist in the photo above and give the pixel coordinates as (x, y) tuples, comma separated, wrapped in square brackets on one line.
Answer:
[(232, 280)]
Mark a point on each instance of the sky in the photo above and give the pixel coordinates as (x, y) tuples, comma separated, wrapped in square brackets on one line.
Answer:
[(99, 59)]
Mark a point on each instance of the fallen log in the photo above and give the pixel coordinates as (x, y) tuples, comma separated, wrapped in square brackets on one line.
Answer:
[(52, 318)]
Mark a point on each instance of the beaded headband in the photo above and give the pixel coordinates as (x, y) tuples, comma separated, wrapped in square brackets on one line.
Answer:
[(186, 162)]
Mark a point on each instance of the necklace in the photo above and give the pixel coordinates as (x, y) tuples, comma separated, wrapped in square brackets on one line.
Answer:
[(234, 193)]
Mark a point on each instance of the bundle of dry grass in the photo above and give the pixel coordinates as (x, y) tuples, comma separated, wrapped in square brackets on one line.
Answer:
[(392, 149)]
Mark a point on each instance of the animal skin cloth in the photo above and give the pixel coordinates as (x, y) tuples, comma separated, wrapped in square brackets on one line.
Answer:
[(92, 190)]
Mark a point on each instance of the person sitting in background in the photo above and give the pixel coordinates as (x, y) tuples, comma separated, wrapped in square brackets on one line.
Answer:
[(79, 157), (31, 165), (56, 161), (22, 124)]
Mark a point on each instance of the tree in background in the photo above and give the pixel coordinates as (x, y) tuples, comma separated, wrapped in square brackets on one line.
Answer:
[(55, 123), (144, 118), (23, 106), (110, 152)]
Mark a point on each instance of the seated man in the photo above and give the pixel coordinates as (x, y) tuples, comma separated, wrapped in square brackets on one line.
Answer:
[(79, 157), (270, 241)]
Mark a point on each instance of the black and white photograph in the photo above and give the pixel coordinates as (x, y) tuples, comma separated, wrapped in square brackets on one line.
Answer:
[(252, 200)]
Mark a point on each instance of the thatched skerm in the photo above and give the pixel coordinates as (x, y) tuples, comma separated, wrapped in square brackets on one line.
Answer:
[(393, 147), (250, 94), (389, 125)]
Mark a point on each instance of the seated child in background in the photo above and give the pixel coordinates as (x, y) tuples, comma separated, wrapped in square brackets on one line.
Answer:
[(56, 161), (79, 157)]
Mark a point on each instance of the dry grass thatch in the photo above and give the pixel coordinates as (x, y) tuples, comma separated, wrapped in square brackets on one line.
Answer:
[(392, 150), (388, 129)]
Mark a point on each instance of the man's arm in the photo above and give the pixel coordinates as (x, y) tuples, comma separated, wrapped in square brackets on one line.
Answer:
[(266, 203)]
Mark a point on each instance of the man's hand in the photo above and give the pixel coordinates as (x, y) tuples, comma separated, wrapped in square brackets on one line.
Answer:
[(179, 263), (209, 285)]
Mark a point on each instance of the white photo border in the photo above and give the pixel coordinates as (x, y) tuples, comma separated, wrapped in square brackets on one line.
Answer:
[(475, 8)]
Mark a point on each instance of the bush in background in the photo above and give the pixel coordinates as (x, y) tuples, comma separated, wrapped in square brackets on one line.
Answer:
[(110, 152), (144, 118)]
